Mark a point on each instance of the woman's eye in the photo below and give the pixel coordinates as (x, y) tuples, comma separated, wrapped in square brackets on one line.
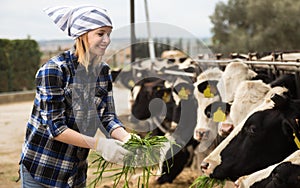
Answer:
[(100, 34)]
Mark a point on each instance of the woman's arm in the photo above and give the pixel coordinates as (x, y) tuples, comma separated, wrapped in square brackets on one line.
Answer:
[(120, 134), (75, 138), (72, 137)]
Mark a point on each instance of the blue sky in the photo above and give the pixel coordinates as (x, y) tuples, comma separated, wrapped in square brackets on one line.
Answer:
[(19, 18)]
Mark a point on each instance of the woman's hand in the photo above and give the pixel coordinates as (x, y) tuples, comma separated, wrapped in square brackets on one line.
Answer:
[(111, 150)]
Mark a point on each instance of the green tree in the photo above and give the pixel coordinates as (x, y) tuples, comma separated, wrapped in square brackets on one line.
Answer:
[(255, 25), (5, 66), (19, 60)]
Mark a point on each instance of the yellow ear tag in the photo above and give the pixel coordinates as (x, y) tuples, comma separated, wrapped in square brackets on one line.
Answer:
[(166, 97), (183, 94), (296, 140), (219, 116), (131, 83), (207, 93)]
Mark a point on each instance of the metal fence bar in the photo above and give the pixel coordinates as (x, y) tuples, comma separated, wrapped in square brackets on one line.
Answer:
[(276, 65)]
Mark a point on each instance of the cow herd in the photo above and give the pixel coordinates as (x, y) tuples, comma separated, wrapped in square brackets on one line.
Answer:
[(232, 123)]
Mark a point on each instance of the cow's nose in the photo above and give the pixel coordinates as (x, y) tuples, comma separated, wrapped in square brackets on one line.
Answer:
[(226, 129), (203, 134), (204, 166), (236, 184)]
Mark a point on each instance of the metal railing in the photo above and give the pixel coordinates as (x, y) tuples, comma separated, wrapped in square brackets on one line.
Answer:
[(276, 65)]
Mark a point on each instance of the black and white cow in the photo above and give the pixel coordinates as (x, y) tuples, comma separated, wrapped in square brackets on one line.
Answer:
[(287, 81), (206, 93), (281, 175), (234, 73), (249, 94), (178, 103), (227, 84), (143, 94), (263, 138), (185, 118)]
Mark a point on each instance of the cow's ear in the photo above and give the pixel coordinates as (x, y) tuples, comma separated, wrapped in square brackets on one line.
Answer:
[(279, 100), (289, 127), (179, 86), (208, 112), (203, 85), (213, 107)]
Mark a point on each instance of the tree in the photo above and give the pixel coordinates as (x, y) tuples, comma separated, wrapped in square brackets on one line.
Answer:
[(5, 66), (19, 60), (255, 25)]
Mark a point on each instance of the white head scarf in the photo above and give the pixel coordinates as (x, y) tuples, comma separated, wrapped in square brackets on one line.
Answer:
[(76, 21)]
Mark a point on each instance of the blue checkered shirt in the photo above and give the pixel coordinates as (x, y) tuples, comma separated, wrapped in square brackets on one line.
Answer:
[(67, 96)]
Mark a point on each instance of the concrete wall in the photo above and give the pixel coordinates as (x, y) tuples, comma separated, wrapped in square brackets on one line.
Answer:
[(12, 97)]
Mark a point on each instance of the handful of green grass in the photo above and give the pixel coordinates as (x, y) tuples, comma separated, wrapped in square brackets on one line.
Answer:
[(207, 182), (145, 155)]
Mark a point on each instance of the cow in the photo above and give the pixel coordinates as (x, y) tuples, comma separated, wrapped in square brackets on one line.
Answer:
[(263, 138), (144, 107), (249, 94), (185, 118), (280, 175), (234, 73), (281, 56), (152, 98), (206, 93), (227, 84), (287, 81)]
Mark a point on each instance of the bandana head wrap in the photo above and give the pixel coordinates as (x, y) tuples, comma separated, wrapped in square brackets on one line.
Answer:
[(76, 21)]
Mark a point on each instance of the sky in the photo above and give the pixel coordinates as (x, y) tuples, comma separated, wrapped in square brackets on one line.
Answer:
[(20, 19)]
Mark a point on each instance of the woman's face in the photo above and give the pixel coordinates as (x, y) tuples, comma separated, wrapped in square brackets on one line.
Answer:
[(99, 39)]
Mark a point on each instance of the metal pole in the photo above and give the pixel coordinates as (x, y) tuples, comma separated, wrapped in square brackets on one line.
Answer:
[(150, 40), (297, 78), (132, 31)]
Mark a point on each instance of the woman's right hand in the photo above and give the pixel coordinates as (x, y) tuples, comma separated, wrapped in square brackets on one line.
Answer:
[(111, 150)]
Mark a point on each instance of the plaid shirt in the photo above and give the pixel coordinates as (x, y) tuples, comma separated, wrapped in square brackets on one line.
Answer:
[(82, 102)]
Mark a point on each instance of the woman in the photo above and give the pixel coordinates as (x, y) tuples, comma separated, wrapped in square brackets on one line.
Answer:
[(73, 99)]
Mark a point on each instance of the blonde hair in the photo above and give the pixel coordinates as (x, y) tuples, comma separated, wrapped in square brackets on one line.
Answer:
[(82, 50)]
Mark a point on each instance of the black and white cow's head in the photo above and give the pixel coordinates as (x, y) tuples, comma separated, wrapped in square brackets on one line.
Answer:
[(144, 92), (280, 175), (263, 138), (249, 94), (288, 81), (206, 93), (234, 73)]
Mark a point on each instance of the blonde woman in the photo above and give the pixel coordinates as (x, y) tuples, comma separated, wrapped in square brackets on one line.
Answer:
[(73, 99)]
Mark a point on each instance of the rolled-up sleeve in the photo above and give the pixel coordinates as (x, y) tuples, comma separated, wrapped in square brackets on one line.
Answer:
[(51, 98), (109, 118)]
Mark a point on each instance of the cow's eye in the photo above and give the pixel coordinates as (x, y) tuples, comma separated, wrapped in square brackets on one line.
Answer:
[(277, 179), (251, 130)]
